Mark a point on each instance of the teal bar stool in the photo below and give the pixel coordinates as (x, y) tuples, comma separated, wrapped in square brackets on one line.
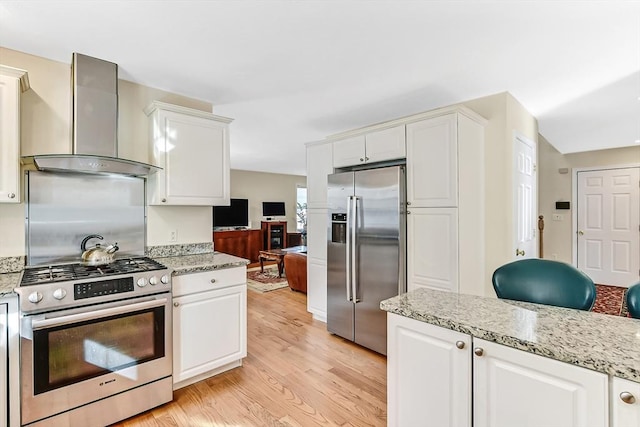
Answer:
[(633, 300), (545, 282)]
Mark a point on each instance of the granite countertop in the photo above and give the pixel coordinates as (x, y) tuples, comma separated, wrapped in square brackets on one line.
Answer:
[(185, 264), (601, 342), (8, 281)]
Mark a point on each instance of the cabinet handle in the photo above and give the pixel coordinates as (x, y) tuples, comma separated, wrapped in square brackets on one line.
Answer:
[(213, 280), (627, 397), (164, 200), (176, 304), (460, 344), (478, 351), (12, 195)]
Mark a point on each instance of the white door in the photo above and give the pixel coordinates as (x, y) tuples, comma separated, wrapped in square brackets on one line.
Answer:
[(608, 225), (515, 388), (524, 198)]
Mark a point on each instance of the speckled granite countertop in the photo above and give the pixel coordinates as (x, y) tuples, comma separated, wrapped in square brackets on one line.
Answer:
[(185, 264), (604, 343), (8, 281)]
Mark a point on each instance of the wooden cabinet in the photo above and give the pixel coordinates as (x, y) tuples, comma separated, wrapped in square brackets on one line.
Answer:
[(374, 146), (274, 234), (440, 377), (192, 148), (209, 324), (428, 375), (319, 166), (432, 249), (245, 244), (513, 387), (625, 403), (317, 263), (12, 82)]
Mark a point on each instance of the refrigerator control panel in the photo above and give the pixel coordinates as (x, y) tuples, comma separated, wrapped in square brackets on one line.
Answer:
[(339, 217)]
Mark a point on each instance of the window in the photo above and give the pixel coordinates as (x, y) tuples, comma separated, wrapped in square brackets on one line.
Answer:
[(301, 210)]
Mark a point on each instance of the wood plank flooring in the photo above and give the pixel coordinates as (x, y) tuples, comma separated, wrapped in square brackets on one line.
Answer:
[(295, 374)]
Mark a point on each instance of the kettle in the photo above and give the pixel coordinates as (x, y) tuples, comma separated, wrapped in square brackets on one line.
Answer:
[(97, 255)]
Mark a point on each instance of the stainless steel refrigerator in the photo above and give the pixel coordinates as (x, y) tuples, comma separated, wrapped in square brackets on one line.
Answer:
[(365, 252)]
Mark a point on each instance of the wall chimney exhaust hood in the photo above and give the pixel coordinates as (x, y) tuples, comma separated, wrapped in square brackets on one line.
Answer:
[(95, 124)]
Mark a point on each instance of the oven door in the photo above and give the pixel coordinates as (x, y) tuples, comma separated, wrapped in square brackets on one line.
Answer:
[(74, 357)]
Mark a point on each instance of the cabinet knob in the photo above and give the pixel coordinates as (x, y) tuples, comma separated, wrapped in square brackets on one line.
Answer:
[(366, 158), (478, 351), (580, 232), (519, 252), (627, 397), (176, 304), (408, 203), (460, 344), (163, 200), (12, 195), (408, 212), (213, 280), (361, 159)]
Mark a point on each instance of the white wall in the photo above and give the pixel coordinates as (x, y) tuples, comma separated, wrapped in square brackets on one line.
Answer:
[(46, 128), (261, 187), (554, 186)]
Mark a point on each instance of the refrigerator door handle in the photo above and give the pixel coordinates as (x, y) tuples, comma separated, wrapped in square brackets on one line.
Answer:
[(348, 252), (354, 265)]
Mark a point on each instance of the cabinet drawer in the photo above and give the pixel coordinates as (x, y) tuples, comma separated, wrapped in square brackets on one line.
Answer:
[(208, 280)]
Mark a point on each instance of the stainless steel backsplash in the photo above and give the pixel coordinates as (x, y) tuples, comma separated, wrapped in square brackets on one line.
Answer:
[(63, 208)]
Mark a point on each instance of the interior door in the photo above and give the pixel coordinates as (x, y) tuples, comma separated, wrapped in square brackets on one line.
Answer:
[(525, 199), (608, 225)]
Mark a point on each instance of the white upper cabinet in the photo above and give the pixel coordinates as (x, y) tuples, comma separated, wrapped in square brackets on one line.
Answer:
[(12, 82), (432, 162), (319, 165), (192, 148), (375, 146)]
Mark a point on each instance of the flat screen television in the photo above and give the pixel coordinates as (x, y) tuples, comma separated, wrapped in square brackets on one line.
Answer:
[(270, 209), (234, 215)]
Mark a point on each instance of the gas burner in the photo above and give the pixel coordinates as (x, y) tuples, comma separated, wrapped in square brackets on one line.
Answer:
[(66, 272)]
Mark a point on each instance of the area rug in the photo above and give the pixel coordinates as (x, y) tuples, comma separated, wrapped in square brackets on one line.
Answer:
[(611, 300), (265, 281)]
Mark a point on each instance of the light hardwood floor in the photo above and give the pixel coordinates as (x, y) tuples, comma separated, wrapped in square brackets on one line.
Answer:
[(295, 374)]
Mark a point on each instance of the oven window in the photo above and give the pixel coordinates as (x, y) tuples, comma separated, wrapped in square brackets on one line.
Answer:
[(72, 353)]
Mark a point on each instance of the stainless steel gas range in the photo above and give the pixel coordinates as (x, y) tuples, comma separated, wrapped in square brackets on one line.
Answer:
[(95, 341)]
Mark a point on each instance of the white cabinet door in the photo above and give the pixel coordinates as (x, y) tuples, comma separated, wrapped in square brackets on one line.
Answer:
[(516, 388), (317, 263), (625, 403), (349, 152), (432, 249), (428, 375), (192, 147), (10, 79), (385, 144), (432, 162), (319, 165)]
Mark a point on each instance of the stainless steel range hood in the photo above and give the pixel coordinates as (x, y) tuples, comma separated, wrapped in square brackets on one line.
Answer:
[(95, 124)]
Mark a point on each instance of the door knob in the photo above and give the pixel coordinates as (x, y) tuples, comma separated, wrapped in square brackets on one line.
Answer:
[(519, 252), (580, 232)]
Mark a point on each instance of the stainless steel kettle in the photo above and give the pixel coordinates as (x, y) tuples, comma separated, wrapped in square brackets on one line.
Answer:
[(97, 255)]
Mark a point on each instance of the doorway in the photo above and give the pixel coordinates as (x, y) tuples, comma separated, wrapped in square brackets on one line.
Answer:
[(607, 224)]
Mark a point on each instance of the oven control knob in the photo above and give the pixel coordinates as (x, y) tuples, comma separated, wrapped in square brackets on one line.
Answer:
[(142, 282), (164, 279), (59, 293), (35, 297), (153, 280)]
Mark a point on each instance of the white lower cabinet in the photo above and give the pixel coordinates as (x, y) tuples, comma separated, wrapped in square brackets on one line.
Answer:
[(317, 263), (516, 388), (430, 383), (428, 375), (209, 324), (4, 365), (625, 403)]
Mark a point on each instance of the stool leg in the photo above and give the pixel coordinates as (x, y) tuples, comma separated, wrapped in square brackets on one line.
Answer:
[(280, 267), (261, 265)]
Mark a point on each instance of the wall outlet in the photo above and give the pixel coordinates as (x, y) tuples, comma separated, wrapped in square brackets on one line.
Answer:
[(173, 235), (557, 217)]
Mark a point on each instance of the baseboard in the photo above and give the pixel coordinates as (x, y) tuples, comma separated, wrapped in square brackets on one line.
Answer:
[(208, 374)]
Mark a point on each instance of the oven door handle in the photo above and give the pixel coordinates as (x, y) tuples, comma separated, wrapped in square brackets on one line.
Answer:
[(91, 315)]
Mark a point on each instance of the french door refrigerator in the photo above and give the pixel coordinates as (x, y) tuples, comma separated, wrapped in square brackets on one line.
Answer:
[(365, 252)]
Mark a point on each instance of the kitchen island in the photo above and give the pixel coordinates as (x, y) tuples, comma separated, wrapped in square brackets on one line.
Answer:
[(492, 361)]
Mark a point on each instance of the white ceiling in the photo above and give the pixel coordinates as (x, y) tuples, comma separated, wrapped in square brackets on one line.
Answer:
[(291, 72)]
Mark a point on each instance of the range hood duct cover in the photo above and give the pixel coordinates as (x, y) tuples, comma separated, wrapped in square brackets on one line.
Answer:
[(95, 124)]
